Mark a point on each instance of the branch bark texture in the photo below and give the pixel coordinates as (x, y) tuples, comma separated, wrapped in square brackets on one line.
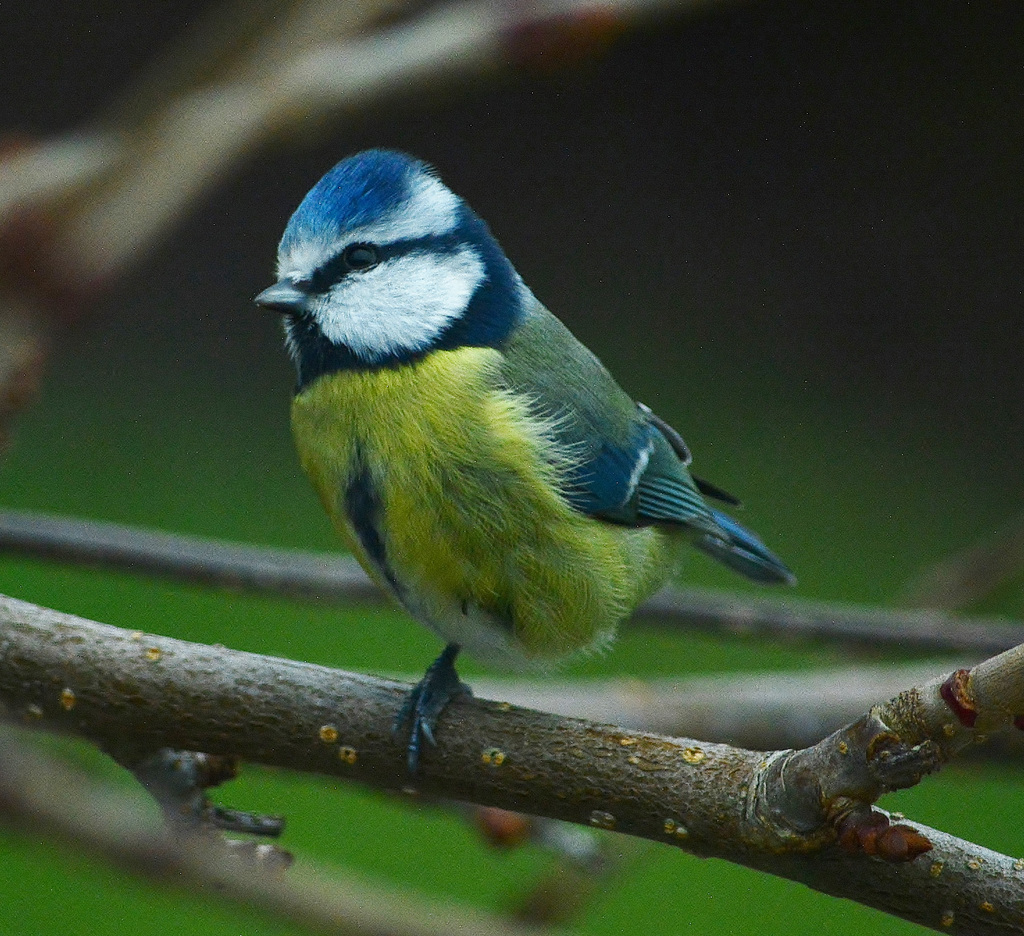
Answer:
[(133, 693)]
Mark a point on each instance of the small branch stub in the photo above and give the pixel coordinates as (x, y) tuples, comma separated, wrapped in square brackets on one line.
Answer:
[(956, 692)]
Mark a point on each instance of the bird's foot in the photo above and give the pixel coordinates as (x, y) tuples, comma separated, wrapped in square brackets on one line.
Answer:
[(427, 700)]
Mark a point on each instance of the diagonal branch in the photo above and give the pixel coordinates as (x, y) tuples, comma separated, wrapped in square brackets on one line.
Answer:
[(783, 813), (336, 576), (237, 78), (970, 575), (77, 211)]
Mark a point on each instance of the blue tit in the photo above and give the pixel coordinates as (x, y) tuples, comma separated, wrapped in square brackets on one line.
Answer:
[(480, 462)]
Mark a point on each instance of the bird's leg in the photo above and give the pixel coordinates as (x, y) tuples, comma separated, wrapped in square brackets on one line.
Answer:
[(428, 698)]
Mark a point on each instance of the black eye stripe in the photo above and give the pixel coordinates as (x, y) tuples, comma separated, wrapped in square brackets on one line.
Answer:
[(340, 266)]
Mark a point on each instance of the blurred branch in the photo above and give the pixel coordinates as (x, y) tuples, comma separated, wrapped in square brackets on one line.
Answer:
[(922, 631), (38, 173), (762, 711), (234, 40), (237, 78), (75, 212), (188, 558), (971, 575), (22, 345), (43, 794), (586, 861), (569, 888), (781, 812), (338, 577)]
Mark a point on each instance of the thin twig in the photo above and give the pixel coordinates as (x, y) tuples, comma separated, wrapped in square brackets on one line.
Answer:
[(332, 576), (971, 575), (324, 576), (779, 813), (922, 631), (762, 711)]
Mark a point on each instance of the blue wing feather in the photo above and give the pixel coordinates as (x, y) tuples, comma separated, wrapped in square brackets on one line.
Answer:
[(603, 484), (670, 500), (743, 552), (639, 484)]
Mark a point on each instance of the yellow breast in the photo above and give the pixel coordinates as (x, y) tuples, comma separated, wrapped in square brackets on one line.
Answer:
[(460, 483)]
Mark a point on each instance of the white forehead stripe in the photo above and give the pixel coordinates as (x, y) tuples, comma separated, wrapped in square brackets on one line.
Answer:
[(431, 209), (402, 305)]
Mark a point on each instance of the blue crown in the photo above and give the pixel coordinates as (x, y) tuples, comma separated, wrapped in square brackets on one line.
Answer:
[(357, 191)]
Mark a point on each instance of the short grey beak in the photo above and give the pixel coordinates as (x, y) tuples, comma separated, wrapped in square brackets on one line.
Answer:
[(283, 297)]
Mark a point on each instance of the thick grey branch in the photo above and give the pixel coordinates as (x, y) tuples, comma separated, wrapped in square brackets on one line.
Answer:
[(336, 576), (132, 693)]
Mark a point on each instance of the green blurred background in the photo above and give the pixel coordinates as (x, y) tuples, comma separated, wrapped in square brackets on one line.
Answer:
[(793, 229)]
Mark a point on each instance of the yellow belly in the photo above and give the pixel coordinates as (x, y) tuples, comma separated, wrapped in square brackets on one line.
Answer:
[(477, 542)]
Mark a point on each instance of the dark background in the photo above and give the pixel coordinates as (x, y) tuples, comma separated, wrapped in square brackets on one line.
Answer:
[(797, 223), (844, 178), (793, 229)]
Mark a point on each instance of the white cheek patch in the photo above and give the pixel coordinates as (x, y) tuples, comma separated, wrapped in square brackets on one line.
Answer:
[(401, 306), (430, 209)]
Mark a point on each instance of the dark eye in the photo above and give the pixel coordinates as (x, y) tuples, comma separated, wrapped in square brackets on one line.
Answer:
[(360, 256)]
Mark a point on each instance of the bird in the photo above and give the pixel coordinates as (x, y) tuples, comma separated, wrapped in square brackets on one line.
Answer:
[(480, 462)]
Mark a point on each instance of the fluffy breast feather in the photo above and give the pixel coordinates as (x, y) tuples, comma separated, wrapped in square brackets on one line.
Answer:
[(479, 542)]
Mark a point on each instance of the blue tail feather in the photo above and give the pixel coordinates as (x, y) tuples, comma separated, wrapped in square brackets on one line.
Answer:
[(743, 552)]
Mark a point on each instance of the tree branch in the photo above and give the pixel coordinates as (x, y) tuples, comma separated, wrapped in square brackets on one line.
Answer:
[(756, 710), (923, 631), (324, 576), (782, 813), (971, 574), (76, 211), (46, 795), (338, 577), (22, 352), (238, 78)]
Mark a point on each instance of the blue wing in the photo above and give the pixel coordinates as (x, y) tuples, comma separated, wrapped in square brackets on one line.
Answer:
[(631, 466), (646, 482), (629, 484), (743, 552)]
